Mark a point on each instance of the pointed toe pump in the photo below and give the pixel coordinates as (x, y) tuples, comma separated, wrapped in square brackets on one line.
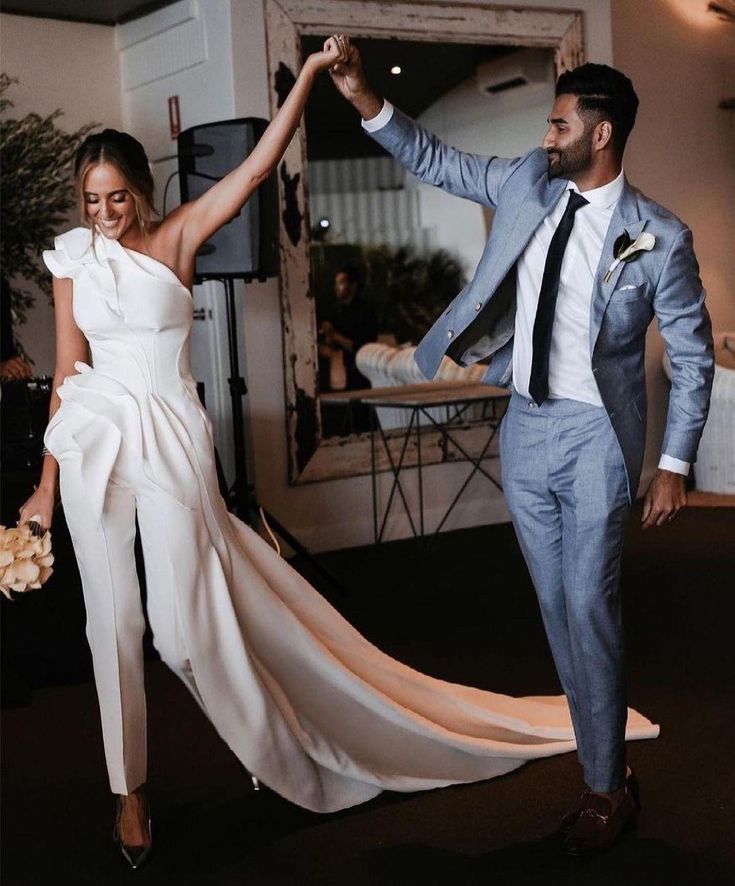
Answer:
[(134, 855)]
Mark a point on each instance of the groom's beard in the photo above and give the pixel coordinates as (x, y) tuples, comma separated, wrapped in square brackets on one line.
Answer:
[(573, 159)]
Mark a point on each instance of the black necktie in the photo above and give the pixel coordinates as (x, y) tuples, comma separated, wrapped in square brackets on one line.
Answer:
[(539, 384)]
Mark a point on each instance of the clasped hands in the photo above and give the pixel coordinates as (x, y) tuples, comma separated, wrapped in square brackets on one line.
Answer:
[(338, 53), (345, 68)]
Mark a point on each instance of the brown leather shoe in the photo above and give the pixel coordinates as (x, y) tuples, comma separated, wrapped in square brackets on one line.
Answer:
[(598, 826), (567, 823)]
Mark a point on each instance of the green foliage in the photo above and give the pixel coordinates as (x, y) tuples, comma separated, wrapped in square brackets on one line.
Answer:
[(408, 290), (37, 193)]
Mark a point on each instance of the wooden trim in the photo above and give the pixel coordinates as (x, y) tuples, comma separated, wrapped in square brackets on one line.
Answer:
[(570, 51), (430, 21)]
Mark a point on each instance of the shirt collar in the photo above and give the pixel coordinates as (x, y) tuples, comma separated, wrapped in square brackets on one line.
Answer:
[(606, 196)]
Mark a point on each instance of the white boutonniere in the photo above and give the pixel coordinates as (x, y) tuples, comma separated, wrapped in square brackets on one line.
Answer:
[(625, 251)]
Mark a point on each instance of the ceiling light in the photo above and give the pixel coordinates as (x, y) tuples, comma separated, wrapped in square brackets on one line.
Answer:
[(396, 69), (324, 223)]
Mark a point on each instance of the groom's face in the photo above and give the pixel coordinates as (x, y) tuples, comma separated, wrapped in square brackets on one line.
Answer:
[(568, 139)]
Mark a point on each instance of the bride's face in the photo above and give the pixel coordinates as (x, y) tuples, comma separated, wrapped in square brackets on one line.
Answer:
[(108, 201)]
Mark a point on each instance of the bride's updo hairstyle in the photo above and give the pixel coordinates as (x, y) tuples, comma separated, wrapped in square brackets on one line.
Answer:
[(128, 155)]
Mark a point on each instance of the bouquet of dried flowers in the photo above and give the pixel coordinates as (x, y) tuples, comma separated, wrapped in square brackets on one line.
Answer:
[(25, 557)]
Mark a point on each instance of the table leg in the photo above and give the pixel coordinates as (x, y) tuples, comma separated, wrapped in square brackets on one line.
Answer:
[(374, 471), (421, 476), (396, 471)]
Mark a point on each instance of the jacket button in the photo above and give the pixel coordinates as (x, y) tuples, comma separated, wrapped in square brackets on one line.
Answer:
[(450, 333), (478, 306)]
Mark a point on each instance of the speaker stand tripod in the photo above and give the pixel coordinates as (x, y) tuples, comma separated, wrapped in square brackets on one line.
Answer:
[(241, 494)]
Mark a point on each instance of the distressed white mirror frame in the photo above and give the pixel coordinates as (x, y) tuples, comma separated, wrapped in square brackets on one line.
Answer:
[(312, 458)]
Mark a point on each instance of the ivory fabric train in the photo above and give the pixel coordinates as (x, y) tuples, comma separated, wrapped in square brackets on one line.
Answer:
[(310, 707)]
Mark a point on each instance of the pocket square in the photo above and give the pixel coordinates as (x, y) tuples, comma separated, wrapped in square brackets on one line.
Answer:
[(628, 286)]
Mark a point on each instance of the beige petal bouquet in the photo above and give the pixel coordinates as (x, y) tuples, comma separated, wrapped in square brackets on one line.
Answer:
[(25, 557)]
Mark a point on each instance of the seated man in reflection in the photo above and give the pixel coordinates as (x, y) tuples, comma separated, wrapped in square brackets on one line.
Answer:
[(348, 324)]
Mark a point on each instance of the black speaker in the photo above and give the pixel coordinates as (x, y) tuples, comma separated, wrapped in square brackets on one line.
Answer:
[(247, 246)]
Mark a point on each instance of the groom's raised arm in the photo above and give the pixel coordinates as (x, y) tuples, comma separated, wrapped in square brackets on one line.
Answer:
[(472, 176)]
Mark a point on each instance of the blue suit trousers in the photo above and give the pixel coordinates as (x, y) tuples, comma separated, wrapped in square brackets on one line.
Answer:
[(565, 485)]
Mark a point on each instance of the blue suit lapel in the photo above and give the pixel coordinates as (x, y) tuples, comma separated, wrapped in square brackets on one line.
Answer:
[(626, 217), (537, 204)]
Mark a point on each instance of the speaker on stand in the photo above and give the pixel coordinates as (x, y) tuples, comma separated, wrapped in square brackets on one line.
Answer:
[(246, 248)]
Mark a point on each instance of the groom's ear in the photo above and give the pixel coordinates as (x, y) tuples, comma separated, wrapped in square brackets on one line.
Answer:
[(603, 135)]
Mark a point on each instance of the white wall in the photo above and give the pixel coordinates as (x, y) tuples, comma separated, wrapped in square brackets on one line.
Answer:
[(60, 65)]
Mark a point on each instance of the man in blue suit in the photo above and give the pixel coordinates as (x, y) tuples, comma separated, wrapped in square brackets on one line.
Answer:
[(576, 266)]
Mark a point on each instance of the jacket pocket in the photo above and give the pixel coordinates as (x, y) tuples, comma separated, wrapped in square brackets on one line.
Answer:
[(629, 293)]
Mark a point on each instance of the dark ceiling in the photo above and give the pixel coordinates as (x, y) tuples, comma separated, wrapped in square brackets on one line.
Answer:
[(428, 71), (101, 12)]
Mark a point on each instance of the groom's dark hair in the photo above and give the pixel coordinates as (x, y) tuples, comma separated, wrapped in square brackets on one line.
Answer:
[(602, 94)]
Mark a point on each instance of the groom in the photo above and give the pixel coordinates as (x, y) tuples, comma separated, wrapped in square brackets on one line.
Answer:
[(576, 266)]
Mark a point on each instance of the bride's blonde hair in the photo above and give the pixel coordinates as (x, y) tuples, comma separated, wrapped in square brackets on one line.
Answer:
[(128, 155)]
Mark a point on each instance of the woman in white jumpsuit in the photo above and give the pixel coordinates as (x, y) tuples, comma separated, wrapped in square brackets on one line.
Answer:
[(306, 703)]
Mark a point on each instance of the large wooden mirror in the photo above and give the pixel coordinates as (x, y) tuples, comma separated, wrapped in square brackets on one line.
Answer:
[(321, 239)]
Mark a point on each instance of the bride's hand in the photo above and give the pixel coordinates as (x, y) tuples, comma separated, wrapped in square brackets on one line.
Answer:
[(335, 51), (41, 503)]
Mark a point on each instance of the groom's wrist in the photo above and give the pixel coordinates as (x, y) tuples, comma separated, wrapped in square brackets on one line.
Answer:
[(377, 120), (674, 465)]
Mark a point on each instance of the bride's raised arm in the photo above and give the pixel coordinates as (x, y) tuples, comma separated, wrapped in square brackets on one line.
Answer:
[(198, 220)]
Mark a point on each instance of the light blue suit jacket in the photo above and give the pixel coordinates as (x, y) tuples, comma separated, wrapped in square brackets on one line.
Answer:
[(480, 322)]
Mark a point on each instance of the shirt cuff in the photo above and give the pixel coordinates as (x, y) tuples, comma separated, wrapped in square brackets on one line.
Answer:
[(676, 465), (376, 123)]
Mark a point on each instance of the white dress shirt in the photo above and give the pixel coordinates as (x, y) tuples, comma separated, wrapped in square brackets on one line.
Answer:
[(570, 360)]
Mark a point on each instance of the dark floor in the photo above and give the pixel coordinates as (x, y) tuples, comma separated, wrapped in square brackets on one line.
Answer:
[(462, 610)]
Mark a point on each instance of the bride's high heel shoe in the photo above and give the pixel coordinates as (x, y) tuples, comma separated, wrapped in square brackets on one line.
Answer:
[(253, 780), (134, 855)]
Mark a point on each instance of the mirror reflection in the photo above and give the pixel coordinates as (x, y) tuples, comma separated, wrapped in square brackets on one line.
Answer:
[(388, 252)]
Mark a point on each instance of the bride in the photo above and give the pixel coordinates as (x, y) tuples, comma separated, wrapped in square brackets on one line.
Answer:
[(306, 703)]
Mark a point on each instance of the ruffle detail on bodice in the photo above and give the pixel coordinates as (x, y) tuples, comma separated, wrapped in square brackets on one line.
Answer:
[(98, 413), (77, 252), (67, 259)]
